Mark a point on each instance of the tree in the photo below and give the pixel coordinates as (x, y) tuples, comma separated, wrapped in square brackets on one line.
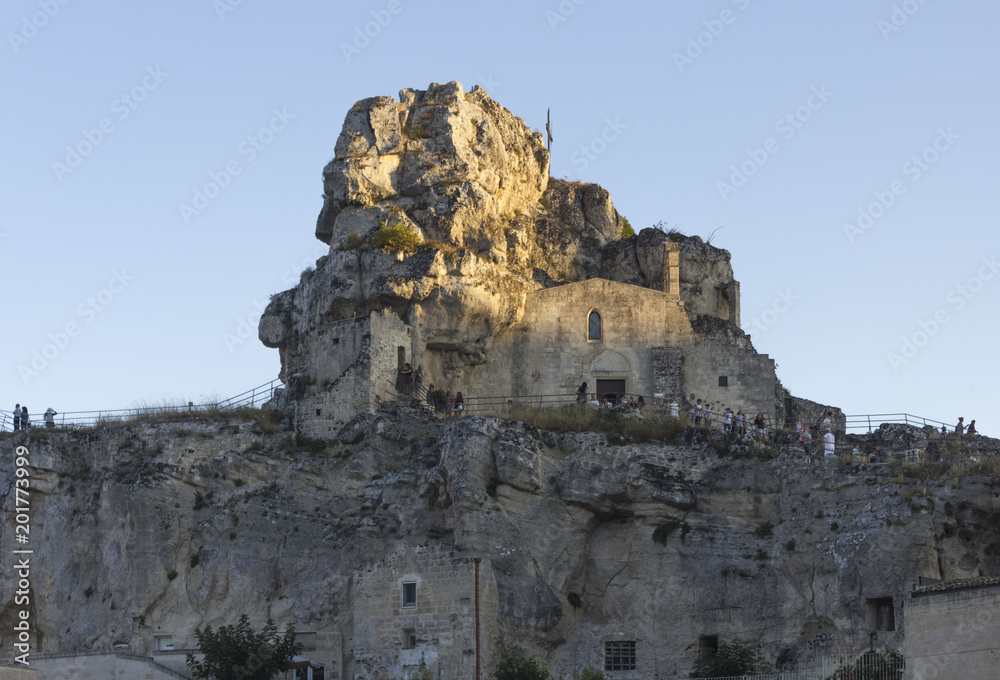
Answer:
[(238, 652), (731, 658)]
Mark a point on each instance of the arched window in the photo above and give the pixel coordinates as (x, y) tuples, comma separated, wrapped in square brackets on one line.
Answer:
[(594, 326)]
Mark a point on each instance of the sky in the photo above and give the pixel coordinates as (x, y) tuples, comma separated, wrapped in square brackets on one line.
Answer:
[(162, 163)]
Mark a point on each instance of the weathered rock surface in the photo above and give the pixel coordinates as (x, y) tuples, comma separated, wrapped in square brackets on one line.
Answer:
[(470, 181), (173, 526)]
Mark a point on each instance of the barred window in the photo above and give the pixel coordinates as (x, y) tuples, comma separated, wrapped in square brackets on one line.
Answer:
[(619, 656)]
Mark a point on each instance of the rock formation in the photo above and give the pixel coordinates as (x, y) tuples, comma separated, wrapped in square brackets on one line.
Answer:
[(145, 530)]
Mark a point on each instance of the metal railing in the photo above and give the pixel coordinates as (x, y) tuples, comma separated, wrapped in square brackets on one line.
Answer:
[(860, 424), (77, 419)]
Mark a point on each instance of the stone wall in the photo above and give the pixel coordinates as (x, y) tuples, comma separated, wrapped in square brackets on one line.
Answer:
[(97, 667), (443, 620), (749, 377), (550, 353), (352, 364), (953, 634)]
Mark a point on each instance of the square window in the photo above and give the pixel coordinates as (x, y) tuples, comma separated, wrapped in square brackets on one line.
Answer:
[(409, 638), (619, 656), (881, 614), (723, 381), (164, 643), (409, 595), (307, 640)]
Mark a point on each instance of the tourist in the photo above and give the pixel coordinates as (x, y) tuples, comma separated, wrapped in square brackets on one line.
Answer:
[(960, 426), (49, 416), (418, 381), (459, 406), (447, 404), (971, 430), (707, 416), (828, 421), (594, 401), (805, 440), (761, 426), (406, 379), (17, 417), (639, 405), (727, 421), (829, 445), (856, 454), (689, 403), (741, 426), (798, 425), (581, 394), (697, 413)]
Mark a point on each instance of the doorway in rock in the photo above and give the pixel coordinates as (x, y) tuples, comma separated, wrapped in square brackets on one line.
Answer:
[(615, 388)]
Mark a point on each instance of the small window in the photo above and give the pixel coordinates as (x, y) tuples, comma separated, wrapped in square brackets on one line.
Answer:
[(881, 614), (164, 643), (409, 595), (594, 326), (723, 381), (619, 656), (307, 640), (409, 638)]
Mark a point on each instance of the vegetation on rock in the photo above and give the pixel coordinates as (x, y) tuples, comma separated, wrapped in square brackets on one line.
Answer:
[(396, 237), (738, 657), (509, 663)]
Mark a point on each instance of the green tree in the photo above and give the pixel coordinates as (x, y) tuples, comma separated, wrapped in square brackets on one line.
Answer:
[(731, 658), (238, 652), (509, 663)]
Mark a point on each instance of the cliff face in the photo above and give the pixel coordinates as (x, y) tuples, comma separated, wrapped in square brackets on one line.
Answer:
[(164, 528)]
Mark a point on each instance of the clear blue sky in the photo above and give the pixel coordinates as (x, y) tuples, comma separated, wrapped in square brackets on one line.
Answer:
[(824, 105)]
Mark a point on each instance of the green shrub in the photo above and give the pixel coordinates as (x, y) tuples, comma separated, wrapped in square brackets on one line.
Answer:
[(627, 230), (590, 673), (172, 574), (195, 560), (421, 672), (731, 658), (509, 663), (763, 530), (397, 237)]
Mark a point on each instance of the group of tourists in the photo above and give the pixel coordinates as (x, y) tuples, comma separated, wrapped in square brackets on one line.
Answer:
[(609, 400), (22, 419), (961, 428), (705, 413), (806, 434)]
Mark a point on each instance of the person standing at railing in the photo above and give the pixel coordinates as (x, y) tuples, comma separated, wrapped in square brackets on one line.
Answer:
[(805, 441), (727, 421), (697, 412), (50, 415), (418, 381), (448, 404), (829, 446), (25, 420), (741, 428), (960, 426), (459, 407), (761, 426), (581, 395), (17, 417)]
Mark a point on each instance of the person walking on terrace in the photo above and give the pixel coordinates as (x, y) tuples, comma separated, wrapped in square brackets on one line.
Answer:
[(960, 427)]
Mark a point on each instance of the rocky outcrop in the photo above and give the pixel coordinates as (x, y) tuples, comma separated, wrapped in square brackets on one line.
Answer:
[(468, 183), (195, 522)]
